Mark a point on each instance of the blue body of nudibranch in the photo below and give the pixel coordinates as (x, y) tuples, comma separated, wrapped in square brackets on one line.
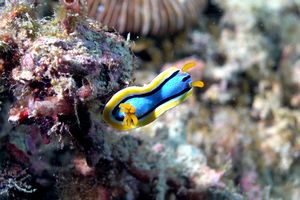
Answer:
[(171, 88)]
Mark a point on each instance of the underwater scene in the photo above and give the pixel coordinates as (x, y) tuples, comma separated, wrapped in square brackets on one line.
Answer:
[(150, 99)]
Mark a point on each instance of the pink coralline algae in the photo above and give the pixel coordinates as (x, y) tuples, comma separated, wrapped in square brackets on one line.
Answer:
[(60, 72), (61, 65)]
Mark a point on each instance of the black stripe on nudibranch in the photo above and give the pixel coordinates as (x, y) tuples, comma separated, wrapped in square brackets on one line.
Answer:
[(158, 104), (114, 111), (152, 91), (186, 78), (165, 101)]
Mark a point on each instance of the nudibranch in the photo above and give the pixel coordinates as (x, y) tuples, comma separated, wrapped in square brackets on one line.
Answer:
[(134, 106)]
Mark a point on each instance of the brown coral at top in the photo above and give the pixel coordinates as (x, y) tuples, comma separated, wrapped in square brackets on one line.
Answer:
[(154, 17)]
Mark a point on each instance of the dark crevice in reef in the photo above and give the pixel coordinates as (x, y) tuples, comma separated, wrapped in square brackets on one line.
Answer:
[(80, 125), (213, 12)]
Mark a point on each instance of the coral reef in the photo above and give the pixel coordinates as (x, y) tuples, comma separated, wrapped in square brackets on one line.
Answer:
[(237, 138), (60, 66), (57, 74)]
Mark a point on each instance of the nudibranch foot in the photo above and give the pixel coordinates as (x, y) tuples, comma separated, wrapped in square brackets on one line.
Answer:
[(129, 111)]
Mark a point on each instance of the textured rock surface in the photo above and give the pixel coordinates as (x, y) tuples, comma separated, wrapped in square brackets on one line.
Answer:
[(57, 74)]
